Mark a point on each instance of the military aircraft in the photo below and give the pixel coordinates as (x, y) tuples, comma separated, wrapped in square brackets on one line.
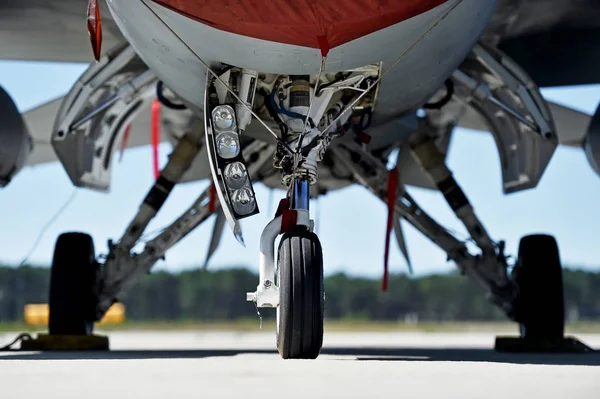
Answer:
[(308, 96)]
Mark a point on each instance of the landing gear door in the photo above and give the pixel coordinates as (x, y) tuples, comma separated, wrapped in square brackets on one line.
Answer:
[(513, 108), (86, 153), (95, 114)]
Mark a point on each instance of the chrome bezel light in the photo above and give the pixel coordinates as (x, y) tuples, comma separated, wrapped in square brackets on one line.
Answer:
[(218, 121), (222, 162), (228, 132), (235, 175), (226, 151), (244, 185), (238, 206)]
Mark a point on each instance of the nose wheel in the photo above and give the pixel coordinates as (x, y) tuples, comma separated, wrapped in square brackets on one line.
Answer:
[(291, 278), (301, 295)]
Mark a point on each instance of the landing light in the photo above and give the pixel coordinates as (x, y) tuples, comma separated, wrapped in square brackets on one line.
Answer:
[(232, 175), (223, 118), (235, 175), (243, 201), (228, 145)]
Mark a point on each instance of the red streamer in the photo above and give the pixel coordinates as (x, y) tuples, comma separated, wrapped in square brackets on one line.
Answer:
[(391, 203), (155, 136)]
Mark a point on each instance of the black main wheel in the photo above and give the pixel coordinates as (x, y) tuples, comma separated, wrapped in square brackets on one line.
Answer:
[(540, 306), (73, 279), (301, 307)]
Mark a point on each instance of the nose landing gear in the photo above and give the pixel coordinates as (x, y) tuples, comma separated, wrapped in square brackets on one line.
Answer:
[(298, 292)]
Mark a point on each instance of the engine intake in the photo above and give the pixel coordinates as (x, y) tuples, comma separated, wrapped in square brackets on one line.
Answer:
[(15, 142)]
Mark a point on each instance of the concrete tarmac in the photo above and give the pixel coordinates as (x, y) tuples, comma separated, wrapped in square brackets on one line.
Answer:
[(369, 365)]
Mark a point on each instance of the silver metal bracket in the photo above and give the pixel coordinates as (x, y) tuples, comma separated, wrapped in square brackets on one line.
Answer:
[(267, 292)]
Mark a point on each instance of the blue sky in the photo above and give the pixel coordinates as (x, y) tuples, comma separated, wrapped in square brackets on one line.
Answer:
[(351, 222)]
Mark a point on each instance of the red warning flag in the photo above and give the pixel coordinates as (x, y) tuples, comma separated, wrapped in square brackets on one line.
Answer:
[(124, 141), (94, 25), (391, 203), (212, 195), (155, 136)]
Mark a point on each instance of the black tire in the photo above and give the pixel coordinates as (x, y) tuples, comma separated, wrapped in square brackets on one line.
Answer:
[(301, 307), (73, 280), (539, 307)]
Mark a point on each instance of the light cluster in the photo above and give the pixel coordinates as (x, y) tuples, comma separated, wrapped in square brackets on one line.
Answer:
[(231, 163)]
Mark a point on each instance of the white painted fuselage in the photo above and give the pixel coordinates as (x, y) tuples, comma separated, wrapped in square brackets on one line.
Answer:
[(429, 46)]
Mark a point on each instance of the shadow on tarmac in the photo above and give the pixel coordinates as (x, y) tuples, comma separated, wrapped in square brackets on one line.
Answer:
[(330, 353)]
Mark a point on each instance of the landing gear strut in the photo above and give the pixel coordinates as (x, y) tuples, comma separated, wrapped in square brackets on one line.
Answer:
[(298, 292), (532, 296), (300, 281)]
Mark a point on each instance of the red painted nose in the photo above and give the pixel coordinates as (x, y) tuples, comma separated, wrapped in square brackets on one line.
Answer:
[(301, 22)]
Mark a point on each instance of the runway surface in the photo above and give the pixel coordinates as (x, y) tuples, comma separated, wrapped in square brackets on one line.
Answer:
[(211, 365)]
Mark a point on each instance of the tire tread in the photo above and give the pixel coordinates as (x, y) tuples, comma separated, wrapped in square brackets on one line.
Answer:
[(301, 292)]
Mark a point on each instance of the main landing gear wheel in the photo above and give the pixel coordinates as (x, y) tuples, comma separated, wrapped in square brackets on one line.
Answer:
[(539, 306), (73, 279), (540, 302), (301, 306)]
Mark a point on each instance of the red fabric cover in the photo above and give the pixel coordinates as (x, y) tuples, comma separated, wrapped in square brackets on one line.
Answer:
[(301, 22)]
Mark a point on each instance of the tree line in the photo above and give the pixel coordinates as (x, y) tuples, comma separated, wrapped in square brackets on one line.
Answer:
[(221, 295)]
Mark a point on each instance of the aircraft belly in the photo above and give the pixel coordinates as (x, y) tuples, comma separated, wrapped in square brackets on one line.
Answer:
[(161, 50), (306, 23), (420, 74), (421, 71)]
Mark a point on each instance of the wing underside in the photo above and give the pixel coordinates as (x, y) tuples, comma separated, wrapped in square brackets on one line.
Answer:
[(51, 30), (556, 41)]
